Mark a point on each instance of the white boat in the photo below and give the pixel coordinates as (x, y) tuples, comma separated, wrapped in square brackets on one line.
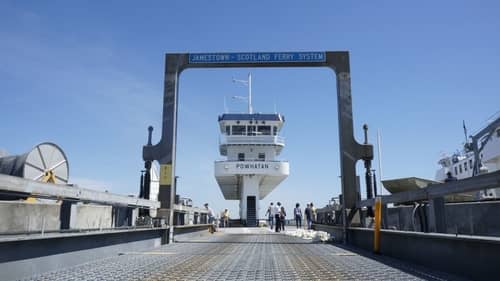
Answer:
[(481, 154), (251, 143)]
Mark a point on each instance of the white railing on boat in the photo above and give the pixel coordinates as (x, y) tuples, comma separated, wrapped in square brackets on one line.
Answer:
[(276, 140)]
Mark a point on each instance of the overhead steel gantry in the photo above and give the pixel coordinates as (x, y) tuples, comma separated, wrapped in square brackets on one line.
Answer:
[(350, 150)]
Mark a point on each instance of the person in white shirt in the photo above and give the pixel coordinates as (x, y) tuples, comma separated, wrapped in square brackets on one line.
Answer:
[(270, 215), (211, 218), (313, 210), (210, 213), (276, 214)]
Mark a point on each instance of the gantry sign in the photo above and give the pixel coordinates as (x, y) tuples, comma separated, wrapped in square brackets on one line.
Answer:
[(164, 152)]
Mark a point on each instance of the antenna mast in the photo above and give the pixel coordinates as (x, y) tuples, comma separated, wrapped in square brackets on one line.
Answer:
[(249, 98), (465, 131), (250, 109), (379, 161)]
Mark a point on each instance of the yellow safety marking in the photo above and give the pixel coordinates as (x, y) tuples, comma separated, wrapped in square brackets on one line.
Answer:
[(30, 200), (166, 174)]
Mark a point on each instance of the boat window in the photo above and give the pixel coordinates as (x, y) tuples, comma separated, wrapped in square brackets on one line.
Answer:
[(241, 156), (265, 130), (470, 163), (239, 130), (465, 165), (275, 130), (456, 171), (228, 130), (262, 156), (460, 168), (251, 130)]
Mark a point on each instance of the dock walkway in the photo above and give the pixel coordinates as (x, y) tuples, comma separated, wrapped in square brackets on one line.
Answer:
[(245, 254)]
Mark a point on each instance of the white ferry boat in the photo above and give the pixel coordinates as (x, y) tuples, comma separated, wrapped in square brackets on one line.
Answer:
[(251, 143), (481, 154)]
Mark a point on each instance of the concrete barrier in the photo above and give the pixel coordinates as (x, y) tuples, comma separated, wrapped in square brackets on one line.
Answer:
[(90, 216), (21, 216)]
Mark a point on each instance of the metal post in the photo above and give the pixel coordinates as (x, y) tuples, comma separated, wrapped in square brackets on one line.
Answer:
[(378, 222), (438, 215), (368, 175), (379, 154), (43, 225), (250, 108), (374, 184)]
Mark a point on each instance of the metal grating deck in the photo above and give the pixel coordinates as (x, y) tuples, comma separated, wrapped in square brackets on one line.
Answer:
[(244, 256)]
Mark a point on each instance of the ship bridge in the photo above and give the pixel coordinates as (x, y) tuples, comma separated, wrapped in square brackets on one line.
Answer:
[(251, 143)]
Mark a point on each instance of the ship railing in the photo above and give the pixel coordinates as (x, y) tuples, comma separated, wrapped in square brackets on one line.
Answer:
[(439, 190), (276, 140)]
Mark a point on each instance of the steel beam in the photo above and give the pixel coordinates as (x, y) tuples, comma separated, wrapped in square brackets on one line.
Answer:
[(16, 185), (490, 180)]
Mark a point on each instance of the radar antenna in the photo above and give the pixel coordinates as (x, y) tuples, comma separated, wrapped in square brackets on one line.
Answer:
[(467, 145), (249, 98)]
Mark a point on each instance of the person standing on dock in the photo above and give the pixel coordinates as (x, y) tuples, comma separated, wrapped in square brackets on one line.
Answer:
[(308, 213), (313, 212), (270, 215), (225, 218), (211, 218), (298, 216), (277, 218), (282, 217)]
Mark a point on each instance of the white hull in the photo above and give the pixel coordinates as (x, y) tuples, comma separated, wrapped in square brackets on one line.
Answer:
[(461, 165)]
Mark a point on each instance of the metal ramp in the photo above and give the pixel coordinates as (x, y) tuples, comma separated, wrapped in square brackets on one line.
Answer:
[(245, 254)]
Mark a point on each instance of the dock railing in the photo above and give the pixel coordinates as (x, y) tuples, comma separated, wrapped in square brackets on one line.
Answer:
[(477, 183)]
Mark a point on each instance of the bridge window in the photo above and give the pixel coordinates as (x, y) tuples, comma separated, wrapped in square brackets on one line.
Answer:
[(456, 171), (498, 133), (262, 156), (265, 130), (228, 130), (251, 130), (239, 130), (275, 130), (465, 166), (460, 168), (470, 164), (241, 156)]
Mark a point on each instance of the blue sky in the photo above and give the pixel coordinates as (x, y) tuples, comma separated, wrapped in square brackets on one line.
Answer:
[(88, 76)]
